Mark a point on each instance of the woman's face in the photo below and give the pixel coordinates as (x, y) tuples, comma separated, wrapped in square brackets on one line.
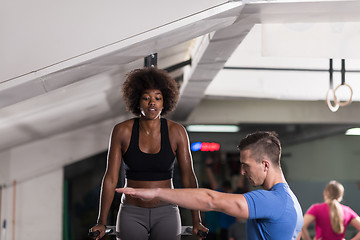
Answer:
[(151, 103)]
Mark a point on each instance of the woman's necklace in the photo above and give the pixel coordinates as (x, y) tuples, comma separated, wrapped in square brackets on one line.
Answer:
[(148, 133)]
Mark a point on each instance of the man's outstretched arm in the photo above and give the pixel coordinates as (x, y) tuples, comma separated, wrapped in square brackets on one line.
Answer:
[(195, 198)]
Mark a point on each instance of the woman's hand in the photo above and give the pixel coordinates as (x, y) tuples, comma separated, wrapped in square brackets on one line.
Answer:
[(98, 231), (199, 227)]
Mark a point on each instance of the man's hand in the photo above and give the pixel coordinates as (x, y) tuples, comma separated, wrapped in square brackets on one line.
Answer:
[(145, 194)]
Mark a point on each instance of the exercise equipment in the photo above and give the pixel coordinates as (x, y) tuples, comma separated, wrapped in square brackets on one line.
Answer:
[(332, 91), (111, 230)]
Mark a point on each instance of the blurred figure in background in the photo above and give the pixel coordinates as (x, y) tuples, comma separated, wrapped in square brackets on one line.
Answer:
[(237, 230), (224, 220), (331, 217)]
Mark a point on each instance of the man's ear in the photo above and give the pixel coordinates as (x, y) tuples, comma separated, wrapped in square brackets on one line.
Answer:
[(266, 164)]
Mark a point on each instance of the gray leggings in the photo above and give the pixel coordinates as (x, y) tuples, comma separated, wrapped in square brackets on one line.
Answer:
[(159, 223)]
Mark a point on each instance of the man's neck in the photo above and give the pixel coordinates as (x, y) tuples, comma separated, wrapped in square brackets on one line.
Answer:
[(274, 177)]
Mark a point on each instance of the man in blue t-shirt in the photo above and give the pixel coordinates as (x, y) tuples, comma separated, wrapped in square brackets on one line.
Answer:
[(273, 213)]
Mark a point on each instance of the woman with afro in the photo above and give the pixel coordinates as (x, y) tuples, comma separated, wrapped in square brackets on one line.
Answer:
[(148, 146)]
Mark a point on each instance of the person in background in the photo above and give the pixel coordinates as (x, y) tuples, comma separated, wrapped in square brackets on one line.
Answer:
[(237, 231), (147, 145), (273, 213), (225, 220), (331, 217)]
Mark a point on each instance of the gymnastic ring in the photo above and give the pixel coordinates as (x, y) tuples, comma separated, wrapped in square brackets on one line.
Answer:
[(328, 101), (343, 104)]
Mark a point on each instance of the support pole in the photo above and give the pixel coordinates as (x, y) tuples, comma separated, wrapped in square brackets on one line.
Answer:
[(14, 208), (342, 71), (0, 207), (331, 70)]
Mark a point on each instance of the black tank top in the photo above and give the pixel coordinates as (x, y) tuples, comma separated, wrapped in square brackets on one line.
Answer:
[(147, 166)]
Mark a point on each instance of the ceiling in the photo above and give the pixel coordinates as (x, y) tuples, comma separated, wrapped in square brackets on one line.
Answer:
[(241, 52)]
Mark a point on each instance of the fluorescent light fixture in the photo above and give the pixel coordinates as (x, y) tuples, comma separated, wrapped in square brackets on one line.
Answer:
[(213, 128), (353, 131)]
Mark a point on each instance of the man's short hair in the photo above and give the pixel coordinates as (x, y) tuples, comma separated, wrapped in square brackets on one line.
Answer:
[(262, 144)]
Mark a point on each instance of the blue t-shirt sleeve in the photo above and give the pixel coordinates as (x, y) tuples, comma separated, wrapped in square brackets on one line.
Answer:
[(262, 203)]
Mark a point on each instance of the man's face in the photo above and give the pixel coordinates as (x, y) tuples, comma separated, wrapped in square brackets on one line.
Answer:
[(250, 168)]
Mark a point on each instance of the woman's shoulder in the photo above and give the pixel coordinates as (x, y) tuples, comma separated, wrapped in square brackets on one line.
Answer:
[(323, 204), (173, 124), (347, 208), (175, 128), (126, 123), (349, 214), (177, 132), (318, 206), (125, 126)]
